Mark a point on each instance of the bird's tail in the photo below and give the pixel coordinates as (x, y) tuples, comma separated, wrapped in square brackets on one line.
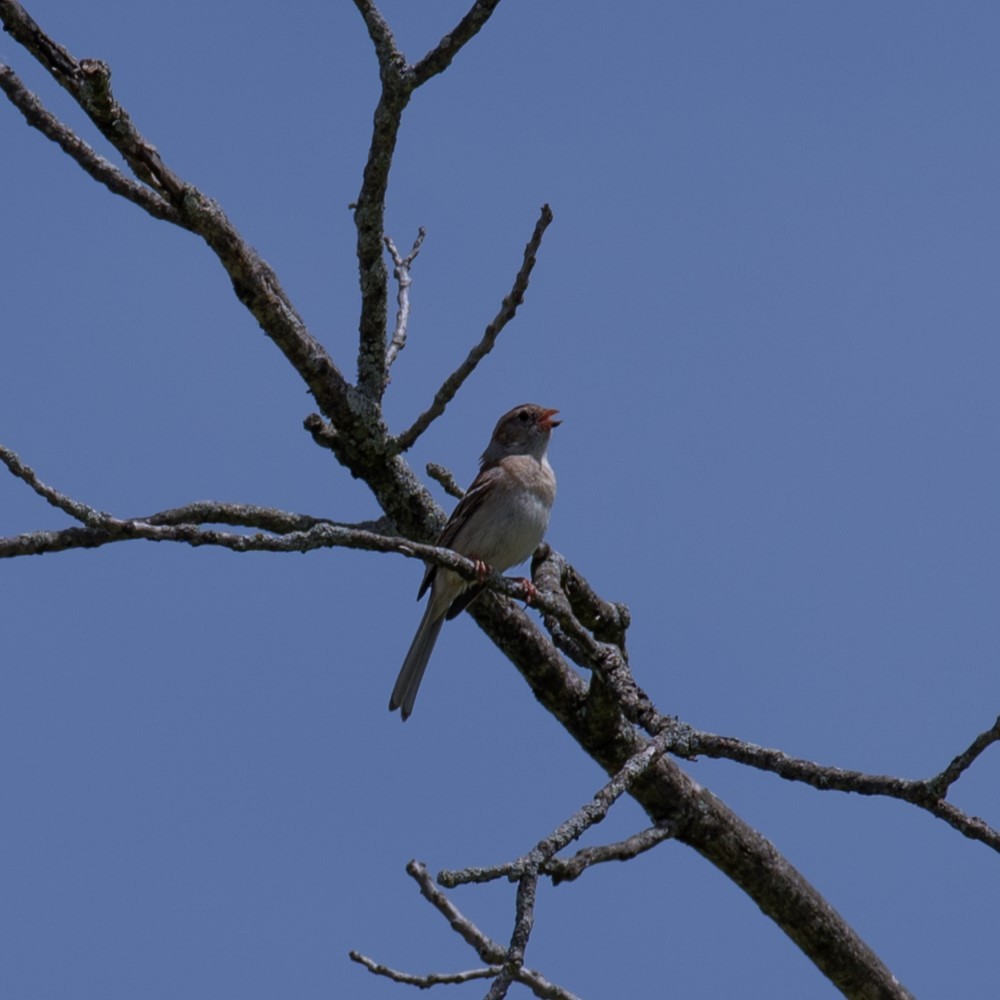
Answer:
[(404, 694)]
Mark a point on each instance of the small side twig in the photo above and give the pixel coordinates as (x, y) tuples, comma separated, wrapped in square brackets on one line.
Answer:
[(588, 815), (568, 869), (508, 310), (445, 479), (927, 794), (76, 510), (401, 272), (943, 781)]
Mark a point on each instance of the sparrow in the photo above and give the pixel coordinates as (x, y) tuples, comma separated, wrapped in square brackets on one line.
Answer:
[(498, 523)]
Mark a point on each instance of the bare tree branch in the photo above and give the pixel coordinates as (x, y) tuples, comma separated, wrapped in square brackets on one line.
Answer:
[(508, 310)]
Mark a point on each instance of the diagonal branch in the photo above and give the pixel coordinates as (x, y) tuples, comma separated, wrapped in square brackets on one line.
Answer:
[(99, 168), (588, 815), (943, 781), (568, 869), (88, 81), (76, 510), (440, 57), (255, 283), (508, 310)]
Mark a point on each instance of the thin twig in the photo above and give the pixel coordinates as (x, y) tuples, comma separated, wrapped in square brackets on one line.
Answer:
[(445, 479), (424, 981), (74, 508), (943, 781), (524, 921), (488, 950), (588, 815), (508, 310), (401, 272), (568, 869)]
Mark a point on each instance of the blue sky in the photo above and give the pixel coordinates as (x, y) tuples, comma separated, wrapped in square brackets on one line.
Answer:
[(767, 309)]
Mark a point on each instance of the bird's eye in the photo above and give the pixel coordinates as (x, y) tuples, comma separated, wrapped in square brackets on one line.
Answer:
[(523, 416)]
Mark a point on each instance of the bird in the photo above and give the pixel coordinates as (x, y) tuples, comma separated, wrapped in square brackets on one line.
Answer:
[(498, 523)]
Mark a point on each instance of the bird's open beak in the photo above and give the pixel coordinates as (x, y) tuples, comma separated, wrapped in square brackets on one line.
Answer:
[(545, 420)]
